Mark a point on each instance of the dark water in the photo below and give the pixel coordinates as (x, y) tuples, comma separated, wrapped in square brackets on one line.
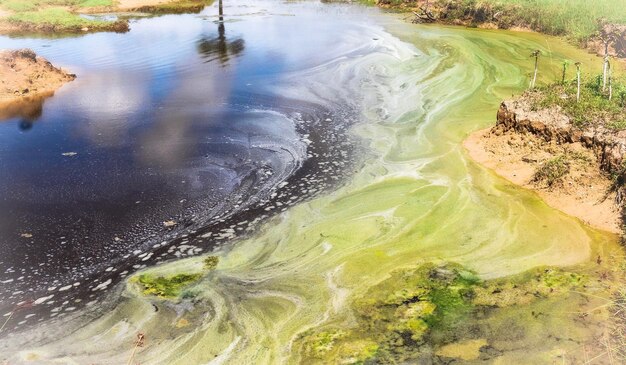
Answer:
[(172, 141)]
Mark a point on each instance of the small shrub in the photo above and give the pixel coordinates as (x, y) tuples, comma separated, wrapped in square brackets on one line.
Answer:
[(552, 171)]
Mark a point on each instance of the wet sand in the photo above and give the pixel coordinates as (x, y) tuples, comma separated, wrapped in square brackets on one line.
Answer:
[(587, 201)]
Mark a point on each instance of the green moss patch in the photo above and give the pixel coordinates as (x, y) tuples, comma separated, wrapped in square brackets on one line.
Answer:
[(414, 312), (166, 287), (211, 262)]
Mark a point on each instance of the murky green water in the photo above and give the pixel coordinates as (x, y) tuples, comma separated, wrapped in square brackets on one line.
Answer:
[(303, 290)]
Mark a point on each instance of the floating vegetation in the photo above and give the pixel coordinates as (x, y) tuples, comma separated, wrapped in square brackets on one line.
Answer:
[(165, 287), (426, 311), (210, 263)]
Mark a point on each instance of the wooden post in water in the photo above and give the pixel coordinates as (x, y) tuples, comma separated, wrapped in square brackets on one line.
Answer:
[(536, 55)]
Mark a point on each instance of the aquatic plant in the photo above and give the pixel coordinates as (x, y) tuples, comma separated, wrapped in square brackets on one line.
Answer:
[(165, 287), (210, 263), (417, 310)]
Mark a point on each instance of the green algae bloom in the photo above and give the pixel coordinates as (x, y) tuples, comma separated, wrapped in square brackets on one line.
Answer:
[(416, 311), (165, 287), (210, 263)]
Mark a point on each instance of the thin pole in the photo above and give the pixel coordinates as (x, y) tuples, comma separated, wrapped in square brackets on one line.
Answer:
[(578, 82)]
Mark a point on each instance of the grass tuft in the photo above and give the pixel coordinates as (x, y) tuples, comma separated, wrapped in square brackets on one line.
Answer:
[(552, 171)]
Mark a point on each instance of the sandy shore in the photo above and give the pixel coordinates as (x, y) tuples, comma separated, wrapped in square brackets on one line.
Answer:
[(27, 79), (582, 194)]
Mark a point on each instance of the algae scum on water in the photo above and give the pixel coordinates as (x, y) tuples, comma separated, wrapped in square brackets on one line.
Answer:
[(437, 311), (418, 256)]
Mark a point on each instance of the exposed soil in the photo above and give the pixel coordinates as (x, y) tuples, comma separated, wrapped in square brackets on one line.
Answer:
[(26, 80), (582, 193), (524, 140)]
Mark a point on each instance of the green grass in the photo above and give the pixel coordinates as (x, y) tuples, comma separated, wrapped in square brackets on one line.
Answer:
[(55, 19), (30, 5), (56, 15), (95, 3), (552, 171), (575, 19), (19, 5), (177, 7), (594, 107)]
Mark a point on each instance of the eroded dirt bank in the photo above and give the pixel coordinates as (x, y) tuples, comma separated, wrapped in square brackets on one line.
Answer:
[(26, 80), (572, 169)]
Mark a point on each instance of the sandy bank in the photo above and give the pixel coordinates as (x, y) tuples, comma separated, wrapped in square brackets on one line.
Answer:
[(25, 80), (582, 193)]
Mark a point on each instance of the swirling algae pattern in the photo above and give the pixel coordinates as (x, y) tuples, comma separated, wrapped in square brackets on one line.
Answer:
[(416, 198)]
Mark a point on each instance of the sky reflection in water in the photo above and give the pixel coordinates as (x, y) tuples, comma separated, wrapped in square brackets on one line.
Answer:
[(167, 122)]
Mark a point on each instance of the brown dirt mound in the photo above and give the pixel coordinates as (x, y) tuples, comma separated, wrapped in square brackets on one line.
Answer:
[(25, 77), (569, 167)]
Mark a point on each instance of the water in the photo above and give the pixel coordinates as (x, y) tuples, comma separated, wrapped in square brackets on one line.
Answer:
[(167, 131), (316, 155)]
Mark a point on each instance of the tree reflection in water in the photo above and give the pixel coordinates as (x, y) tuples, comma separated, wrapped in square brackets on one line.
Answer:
[(220, 48)]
